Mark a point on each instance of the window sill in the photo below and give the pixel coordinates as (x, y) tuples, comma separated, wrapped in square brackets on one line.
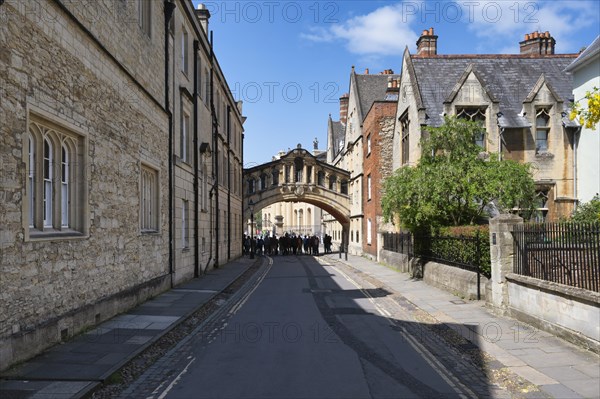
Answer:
[(544, 155), (150, 232), (53, 235), (186, 249)]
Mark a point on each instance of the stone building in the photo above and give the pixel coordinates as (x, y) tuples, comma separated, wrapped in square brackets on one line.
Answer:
[(297, 217), (522, 100), (346, 146), (378, 150), (92, 106), (586, 75)]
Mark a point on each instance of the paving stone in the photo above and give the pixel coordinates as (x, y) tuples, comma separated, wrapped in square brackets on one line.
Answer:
[(560, 391)]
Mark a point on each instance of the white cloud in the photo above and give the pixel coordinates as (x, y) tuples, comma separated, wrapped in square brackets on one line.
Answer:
[(501, 21), (384, 31)]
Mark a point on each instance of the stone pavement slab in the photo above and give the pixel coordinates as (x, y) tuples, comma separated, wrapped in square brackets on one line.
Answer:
[(559, 368), (73, 368)]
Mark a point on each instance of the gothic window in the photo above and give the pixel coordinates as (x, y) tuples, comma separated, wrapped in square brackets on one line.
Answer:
[(369, 187), (309, 174), (55, 189), (275, 177), (404, 124), (251, 186), (149, 200), (542, 128), (541, 205), (475, 115)]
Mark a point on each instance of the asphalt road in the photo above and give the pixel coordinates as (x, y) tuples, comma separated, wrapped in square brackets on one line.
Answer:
[(302, 330)]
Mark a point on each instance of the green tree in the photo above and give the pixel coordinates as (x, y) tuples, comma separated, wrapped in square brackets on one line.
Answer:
[(589, 116), (588, 212), (454, 182)]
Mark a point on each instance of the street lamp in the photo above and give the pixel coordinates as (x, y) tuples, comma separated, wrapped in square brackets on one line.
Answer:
[(251, 208)]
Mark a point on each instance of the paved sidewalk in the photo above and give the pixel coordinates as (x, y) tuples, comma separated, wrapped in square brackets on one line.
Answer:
[(558, 368), (72, 369)]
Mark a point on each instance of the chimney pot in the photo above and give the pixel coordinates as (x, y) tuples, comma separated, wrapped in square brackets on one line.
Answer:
[(366, 71), (431, 31), (425, 33)]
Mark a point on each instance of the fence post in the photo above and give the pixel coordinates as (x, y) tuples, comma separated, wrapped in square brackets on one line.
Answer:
[(501, 256)]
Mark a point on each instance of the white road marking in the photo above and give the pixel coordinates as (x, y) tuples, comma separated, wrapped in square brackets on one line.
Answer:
[(172, 384), (430, 359)]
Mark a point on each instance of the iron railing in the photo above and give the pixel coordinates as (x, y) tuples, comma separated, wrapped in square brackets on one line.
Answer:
[(469, 253), (398, 242), (564, 253)]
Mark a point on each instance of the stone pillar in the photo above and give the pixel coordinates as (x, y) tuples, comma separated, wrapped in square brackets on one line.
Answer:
[(279, 225), (501, 255)]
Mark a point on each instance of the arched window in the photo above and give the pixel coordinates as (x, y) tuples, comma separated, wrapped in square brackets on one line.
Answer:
[(48, 181), (275, 177), (542, 127), (65, 192), (31, 173)]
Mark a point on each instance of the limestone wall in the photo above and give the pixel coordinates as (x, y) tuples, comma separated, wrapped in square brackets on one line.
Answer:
[(51, 68)]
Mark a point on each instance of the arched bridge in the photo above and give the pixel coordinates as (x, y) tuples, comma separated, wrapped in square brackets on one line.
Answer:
[(298, 176)]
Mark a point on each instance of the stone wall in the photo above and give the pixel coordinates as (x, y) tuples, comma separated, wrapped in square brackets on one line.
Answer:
[(76, 75)]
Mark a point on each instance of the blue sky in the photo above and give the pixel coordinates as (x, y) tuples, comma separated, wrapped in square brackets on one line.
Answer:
[(289, 61)]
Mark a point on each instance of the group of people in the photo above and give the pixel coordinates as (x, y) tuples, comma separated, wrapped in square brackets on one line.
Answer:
[(287, 244)]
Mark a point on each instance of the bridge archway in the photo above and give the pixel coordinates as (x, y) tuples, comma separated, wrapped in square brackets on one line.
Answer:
[(299, 176)]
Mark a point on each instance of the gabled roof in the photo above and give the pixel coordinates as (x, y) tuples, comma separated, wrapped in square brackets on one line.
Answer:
[(509, 80), (369, 88), (592, 51)]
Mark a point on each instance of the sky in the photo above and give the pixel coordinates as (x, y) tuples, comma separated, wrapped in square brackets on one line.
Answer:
[(290, 61)]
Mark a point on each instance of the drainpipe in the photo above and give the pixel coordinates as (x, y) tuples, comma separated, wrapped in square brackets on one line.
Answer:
[(576, 136), (196, 166), (169, 9), (228, 184), (215, 131)]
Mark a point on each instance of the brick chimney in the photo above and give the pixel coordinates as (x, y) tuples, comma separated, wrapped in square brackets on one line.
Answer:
[(538, 43), (387, 72), (427, 43), (203, 15), (344, 100)]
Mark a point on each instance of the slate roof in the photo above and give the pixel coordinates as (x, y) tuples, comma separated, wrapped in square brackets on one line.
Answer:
[(338, 132), (593, 50), (370, 88), (508, 79)]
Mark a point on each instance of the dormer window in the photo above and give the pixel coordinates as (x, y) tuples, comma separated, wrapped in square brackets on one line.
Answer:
[(475, 115), (542, 128)]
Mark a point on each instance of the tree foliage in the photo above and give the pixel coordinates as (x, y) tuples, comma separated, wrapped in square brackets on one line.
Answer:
[(590, 116), (454, 182), (588, 212)]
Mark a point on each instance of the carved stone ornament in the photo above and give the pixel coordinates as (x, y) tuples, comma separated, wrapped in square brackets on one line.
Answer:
[(299, 191)]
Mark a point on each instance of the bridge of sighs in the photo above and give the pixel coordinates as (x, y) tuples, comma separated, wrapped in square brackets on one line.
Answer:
[(299, 176)]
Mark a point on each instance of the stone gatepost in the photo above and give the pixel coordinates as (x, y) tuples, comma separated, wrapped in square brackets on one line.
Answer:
[(501, 255)]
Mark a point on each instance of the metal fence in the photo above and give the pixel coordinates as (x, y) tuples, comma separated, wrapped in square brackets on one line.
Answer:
[(398, 242), (564, 253), (469, 253)]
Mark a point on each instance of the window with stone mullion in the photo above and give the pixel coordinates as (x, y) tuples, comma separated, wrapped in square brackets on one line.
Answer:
[(474, 115)]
